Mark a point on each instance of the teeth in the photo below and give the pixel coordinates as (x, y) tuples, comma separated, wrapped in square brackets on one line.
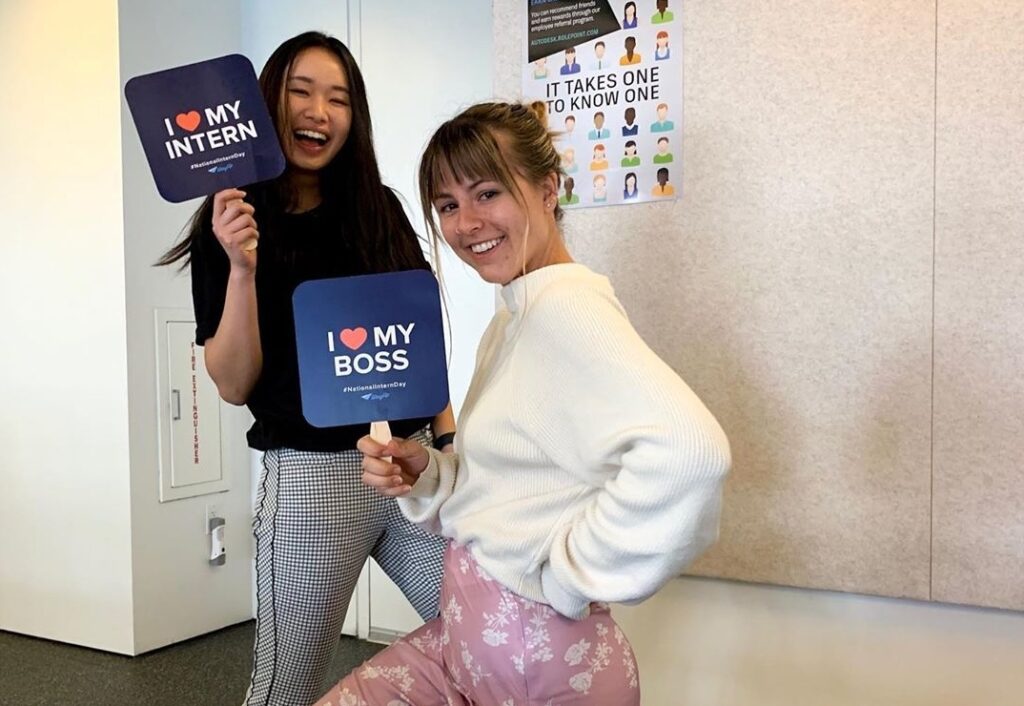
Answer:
[(484, 247), (312, 134)]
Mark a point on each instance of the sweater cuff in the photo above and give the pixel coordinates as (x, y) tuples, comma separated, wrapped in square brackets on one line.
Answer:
[(429, 479), (560, 599), (423, 503)]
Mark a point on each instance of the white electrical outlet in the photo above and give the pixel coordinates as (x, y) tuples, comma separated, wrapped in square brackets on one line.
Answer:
[(212, 510)]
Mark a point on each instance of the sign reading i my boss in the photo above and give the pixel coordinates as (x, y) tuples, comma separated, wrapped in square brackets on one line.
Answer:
[(204, 127), (371, 348)]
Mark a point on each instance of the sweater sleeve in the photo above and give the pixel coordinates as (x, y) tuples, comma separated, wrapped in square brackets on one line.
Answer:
[(605, 408), (422, 506)]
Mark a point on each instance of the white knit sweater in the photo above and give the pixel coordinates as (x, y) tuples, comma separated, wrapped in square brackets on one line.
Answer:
[(585, 468)]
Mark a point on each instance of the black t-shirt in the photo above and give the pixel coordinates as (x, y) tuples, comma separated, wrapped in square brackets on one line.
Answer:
[(297, 248)]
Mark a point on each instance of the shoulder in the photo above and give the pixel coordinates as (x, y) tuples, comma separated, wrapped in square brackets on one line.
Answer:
[(576, 305)]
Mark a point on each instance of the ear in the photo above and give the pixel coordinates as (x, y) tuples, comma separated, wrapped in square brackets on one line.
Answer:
[(549, 187)]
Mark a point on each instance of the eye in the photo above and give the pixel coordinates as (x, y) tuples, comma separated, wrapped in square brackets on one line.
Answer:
[(488, 194), (445, 208), (339, 101), (298, 91)]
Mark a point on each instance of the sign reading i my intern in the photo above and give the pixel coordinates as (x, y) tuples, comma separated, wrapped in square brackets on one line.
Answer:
[(204, 127), (371, 348)]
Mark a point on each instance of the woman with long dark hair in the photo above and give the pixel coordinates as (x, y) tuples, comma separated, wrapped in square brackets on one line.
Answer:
[(328, 215)]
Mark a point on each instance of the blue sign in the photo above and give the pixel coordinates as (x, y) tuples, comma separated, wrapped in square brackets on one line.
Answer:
[(204, 127), (371, 348)]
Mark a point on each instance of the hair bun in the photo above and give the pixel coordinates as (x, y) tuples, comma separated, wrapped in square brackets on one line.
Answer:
[(540, 109)]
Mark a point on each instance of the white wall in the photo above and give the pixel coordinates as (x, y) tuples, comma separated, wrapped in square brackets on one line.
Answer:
[(177, 593), (703, 642), (267, 23), (64, 480)]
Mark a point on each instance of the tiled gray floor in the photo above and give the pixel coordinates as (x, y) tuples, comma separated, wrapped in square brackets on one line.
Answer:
[(212, 670)]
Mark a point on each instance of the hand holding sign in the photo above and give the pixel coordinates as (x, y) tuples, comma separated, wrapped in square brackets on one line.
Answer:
[(234, 224), (393, 467)]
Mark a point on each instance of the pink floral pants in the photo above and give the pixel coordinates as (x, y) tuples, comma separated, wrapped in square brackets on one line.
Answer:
[(494, 648)]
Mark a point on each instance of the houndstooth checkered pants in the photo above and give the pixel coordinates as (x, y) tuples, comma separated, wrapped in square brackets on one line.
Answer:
[(315, 525)]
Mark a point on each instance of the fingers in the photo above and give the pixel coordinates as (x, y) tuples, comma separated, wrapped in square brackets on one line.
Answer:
[(386, 477), (392, 478), (222, 198), (234, 221)]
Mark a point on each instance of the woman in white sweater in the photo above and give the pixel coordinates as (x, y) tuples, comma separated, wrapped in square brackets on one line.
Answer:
[(585, 471)]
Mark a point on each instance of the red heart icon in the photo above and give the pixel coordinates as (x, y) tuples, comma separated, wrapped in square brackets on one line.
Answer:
[(353, 338), (188, 121)]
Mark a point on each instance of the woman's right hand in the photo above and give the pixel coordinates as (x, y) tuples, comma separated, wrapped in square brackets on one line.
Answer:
[(392, 468), (235, 228)]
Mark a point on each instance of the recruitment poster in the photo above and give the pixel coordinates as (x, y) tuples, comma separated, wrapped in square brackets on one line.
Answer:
[(611, 74)]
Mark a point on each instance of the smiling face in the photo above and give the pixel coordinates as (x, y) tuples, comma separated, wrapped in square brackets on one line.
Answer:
[(318, 112), (500, 237)]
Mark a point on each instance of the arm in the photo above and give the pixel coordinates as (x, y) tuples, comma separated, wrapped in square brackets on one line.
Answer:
[(233, 354), (444, 423), (626, 424)]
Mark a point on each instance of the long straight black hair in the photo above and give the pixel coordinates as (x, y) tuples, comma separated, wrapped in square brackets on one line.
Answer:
[(367, 213)]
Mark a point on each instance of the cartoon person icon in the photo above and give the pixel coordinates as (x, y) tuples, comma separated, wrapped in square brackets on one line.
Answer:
[(568, 197), (569, 165), (600, 188), (600, 161), (629, 183), (663, 14), (540, 67), (661, 49), (662, 124), (600, 63), (570, 66), (663, 156), (570, 125), (630, 157), (631, 56), (629, 16), (600, 132), (630, 128), (663, 188)]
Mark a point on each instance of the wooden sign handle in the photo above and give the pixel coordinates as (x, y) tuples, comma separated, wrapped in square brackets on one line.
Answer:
[(381, 433)]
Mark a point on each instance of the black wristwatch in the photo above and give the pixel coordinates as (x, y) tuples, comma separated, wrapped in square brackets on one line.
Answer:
[(441, 441)]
